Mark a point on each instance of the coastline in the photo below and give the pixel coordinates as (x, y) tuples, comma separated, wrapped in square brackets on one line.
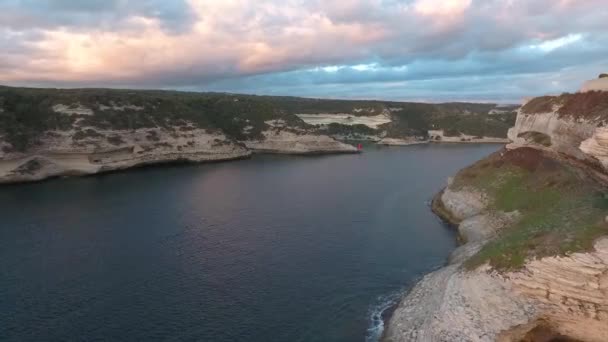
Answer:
[(77, 164), (557, 294)]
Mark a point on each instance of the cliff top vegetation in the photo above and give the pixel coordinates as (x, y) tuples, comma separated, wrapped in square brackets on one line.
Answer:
[(562, 210)]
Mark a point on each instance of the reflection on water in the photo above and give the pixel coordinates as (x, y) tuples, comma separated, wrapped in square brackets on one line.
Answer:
[(274, 248)]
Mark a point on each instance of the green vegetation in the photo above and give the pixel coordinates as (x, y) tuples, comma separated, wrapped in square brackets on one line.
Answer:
[(350, 130), (27, 113), (562, 209)]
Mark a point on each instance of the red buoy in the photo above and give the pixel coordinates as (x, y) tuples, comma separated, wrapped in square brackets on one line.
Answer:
[(360, 147)]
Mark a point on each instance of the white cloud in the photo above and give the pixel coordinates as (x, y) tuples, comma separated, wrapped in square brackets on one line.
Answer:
[(550, 45), (353, 41)]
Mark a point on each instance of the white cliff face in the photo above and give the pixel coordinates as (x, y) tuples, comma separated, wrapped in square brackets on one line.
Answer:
[(572, 292), (346, 119), (286, 142), (63, 153), (568, 294), (597, 145), (566, 134), (569, 124), (440, 137), (464, 203), (87, 150), (452, 304), (401, 142)]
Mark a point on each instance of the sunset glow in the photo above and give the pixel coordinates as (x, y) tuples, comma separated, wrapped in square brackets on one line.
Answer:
[(290, 47)]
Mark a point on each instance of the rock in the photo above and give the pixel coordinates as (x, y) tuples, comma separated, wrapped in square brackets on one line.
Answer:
[(566, 295), (401, 142), (286, 142), (565, 134), (59, 154), (440, 137), (551, 298), (464, 203), (452, 305), (597, 145)]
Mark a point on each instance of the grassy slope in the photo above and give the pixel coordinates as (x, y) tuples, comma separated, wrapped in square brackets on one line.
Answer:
[(562, 209), (588, 105)]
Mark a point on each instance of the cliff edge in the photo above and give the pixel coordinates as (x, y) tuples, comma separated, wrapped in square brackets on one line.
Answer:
[(534, 263)]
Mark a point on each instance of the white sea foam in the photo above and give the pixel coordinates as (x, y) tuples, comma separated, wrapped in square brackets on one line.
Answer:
[(376, 315)]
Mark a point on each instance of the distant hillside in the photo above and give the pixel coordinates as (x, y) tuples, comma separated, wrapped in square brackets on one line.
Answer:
[(27, 113)]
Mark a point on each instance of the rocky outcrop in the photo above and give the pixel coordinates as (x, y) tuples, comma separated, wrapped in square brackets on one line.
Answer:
[(569, 124), (558, 295), (454, 305), (597, 146), (567, 295), (283, 141), (440, 137), (92, 150), (63, 153), (564, 134), (462, 204), (571, 293), (401, 142)]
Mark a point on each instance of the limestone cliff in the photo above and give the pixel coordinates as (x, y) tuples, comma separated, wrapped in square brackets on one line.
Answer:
[(294, 142), (61, 132), (48, 132), (534, 266), (63, 153)]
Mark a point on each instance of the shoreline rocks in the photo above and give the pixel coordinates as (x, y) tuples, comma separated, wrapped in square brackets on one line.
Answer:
[(454, 305), (561, 296), (59, 154), (565, 295)]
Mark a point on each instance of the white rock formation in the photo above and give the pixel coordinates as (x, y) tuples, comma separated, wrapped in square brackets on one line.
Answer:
[(452, 304), (439, 136), (346, 119), (572, 292), (286, 142), (74, 109), (464, 203), (597, 145), (566, 133), (401, 142), (59, 154), (569, 294)]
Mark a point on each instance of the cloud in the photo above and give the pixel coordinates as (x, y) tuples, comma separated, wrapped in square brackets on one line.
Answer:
[(348, 47)]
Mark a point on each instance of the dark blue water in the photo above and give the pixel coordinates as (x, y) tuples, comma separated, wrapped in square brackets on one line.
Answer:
[(267, 249)]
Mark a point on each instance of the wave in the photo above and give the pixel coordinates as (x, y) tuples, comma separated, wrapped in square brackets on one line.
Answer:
[(379, 312)]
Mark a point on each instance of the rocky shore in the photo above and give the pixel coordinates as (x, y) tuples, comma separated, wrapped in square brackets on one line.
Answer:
[(63, 132), (533, 265), (58, 154)]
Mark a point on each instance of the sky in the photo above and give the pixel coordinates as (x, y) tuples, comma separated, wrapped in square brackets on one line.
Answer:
[(414, 50)]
